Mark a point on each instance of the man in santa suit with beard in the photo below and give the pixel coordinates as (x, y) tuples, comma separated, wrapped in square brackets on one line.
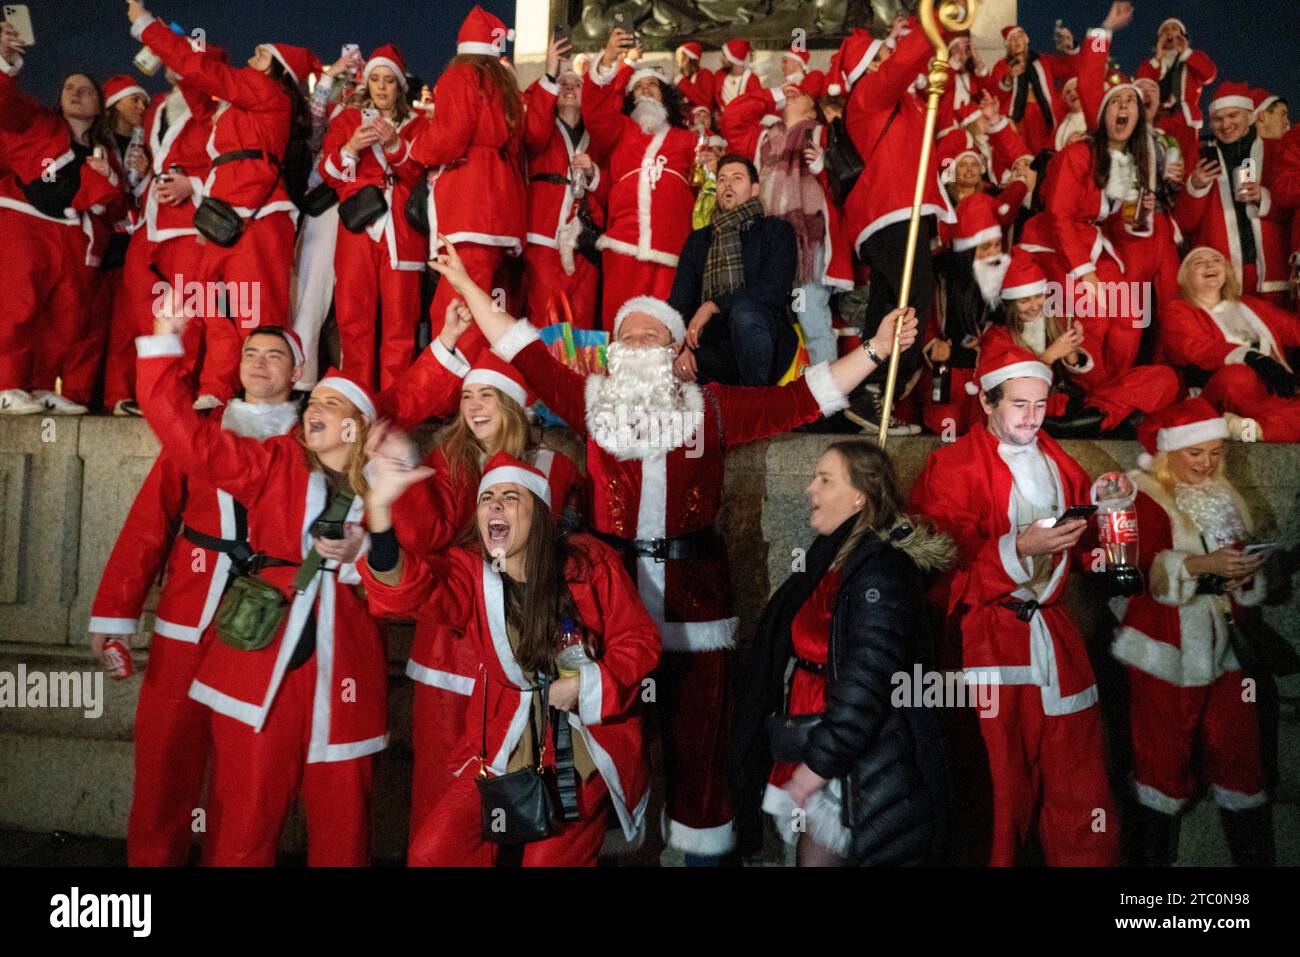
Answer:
[(656, 450), (999, 491), (638, 140)]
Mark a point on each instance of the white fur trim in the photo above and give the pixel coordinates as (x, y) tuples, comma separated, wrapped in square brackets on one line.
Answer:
[(529, 479), (1229, 103), (391, 64), (353, 392), (1157, 658), (189, 634), (523, 333), (480, 49), (123, 94), (259, 420), (657, 309), (1010, 293), (601, 75), (645, 255), (645, 72), (962, 243), (153, 347), (453, 362), (590, 680), (712, 841), (1012, 563), (1016, 370), (446, 680), (1184, 436), (821, 816), (1157, 800), (113, 626), (1236, 801), (498, 381), (697, 636), (822, 386)]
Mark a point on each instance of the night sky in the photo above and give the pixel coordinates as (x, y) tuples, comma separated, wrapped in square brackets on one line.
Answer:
[(1251, 40)]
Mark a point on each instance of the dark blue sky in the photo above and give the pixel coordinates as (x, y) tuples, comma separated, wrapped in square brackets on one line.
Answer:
[(1252, 40)]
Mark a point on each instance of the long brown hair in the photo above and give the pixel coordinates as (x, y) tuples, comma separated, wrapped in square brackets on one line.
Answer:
[(871, 472), (494, 75), (1051, 324), (97, 135), (1138, 146), (462, 448)]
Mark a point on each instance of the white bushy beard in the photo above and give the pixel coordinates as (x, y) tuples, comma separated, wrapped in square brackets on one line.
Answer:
[(649, 114), (989, 274), (639, 409)]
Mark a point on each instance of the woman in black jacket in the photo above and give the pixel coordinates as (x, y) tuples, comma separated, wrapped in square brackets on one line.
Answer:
[(869, 786)]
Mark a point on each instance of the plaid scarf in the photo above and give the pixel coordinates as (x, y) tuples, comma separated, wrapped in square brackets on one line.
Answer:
[(724, 269)]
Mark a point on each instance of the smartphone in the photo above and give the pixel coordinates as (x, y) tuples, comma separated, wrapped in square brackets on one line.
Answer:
[(349, 49), (1208, 151), (1075, 512), (1258, 548), (21, 18), (562, 31), (331, 530), (369, 115)]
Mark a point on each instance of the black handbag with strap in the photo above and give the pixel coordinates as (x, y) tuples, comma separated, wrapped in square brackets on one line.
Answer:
[(417, 207), (318, 199), (219, 222), (844, 164), (522, 806), (362, 208)]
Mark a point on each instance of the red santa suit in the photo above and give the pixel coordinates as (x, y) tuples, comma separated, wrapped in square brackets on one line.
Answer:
[(656, 503), (377, 270), (1182, 118), (650, 200), (50, 256), (172, 738), (699, 88), (276, 731), (1044, 743), (1040, 116), (1185, 681), (470, 590), (1214, 342), (254, 114), (476, 192), (726, 85), (552, 265)]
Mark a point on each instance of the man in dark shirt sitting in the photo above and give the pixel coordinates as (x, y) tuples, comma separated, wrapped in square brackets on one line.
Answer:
[(734, 279)]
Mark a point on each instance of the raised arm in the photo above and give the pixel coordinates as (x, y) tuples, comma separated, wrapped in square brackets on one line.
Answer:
[(602, 96), (221, 80)]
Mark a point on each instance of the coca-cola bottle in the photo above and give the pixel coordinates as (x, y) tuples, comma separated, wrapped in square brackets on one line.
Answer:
[(1117, 528), (134, 149)]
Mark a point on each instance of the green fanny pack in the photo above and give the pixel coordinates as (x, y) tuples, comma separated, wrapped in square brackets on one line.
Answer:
[(252, 609)]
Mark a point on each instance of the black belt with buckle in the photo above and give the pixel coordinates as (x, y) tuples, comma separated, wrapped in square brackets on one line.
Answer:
[(242, 556), (1024, 609), (702, 543), (812, 667)]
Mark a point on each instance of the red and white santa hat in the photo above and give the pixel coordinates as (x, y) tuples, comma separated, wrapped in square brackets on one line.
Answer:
[(1115, 83), (737, 52), (1231, 95), (814, 84), (288, 335), (298, 61), (119, 87), (1263, 100), (795, 53), (1001, 360), (950, 149), (484, 34), (854, 56), (977, 221), (692, 50), (670, 317), (501, 375), (504, 467), (645, 72), (1010, 29), (1024, 276), (1168, 20), (966, 113), (390, 56), (1179, 426), (352, 390)]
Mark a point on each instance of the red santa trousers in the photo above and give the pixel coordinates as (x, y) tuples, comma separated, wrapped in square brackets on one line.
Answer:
[(368, 290), (626, 276), (257, 774), (172, 743), (437, 726), (1152, 259), (263, 255), (1237, 389), (481, 262), (1140, 389), (1052, 763), (452, 835), (545, 279), (47, 286), (1177, 729), (1111, 340)]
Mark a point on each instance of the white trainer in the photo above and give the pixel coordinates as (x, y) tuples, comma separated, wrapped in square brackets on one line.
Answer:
[(18, 402), (53, 402)]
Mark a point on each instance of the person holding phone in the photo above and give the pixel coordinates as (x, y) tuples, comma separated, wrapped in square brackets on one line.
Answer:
[(378, 255), (998, 491), (59, 190), (1179, 641), (1182, 74)]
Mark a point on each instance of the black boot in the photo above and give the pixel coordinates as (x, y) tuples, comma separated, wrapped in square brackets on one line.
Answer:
[(1085, 424), (1250, 836), (1157, 838), (1128, 428)]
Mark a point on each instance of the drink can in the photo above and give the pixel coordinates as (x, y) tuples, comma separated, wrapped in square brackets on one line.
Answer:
[(117, 660), (147, 62)]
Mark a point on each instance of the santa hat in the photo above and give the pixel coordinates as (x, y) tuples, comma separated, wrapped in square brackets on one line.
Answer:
[(855, 55), (952, 146), (716, 141), (504, 467), (692, 50), (1231, 95), (390, 56), (119, 88), (977, 221), (670, 317), (736, 52), (1001, 360), (1263, 100), (966, 113), (1010, 29), (1024, 277), (1115, 83), (352, 390), (1168, 20), (814, 84), (298, 61), (483, 34), (288, 335), (796, 54), (643, 73), (1179, 426), (490, 370)]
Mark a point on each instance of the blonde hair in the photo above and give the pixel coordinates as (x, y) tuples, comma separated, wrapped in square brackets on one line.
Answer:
[(1051, 325), (1231, 281), (462, 448), (355, 471), (1163, 473)]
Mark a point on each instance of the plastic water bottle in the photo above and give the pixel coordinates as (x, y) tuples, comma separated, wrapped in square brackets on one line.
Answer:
[(136, 148), (1117, 528), (572, 654)]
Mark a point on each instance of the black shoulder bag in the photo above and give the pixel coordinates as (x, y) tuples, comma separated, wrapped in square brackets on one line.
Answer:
[(417, 206), (219, 222), (522, 806), (844, 164), (318, 199), (362, 208)]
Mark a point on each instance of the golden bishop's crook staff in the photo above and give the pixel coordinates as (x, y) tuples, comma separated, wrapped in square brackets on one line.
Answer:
[(954, 15)]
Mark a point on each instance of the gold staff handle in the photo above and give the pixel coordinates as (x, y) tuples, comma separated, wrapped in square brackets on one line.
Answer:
[(954, 15)]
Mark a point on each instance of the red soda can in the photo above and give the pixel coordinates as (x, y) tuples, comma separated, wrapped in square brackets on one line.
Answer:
[(117, 660)]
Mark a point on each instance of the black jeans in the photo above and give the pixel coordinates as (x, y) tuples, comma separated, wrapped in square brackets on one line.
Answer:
[(744, 345), (884, 251)]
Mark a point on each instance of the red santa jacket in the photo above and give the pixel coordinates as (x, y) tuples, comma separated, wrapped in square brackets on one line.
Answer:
[(726, 87), (254, 114), (1208, 217), (394, 173), (699, 90), (965, 490), (1170, 631), (1074, 209), (1190, 336), (886, 123), (1199, 72), (477, 191), (641, 494), (183, 143), (549, 151), (650, 197), (467, 589), (152, 536), (284, 496), (1010, 200), (36, 143), (1286, 180), (1052, 71), (430, 387)]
